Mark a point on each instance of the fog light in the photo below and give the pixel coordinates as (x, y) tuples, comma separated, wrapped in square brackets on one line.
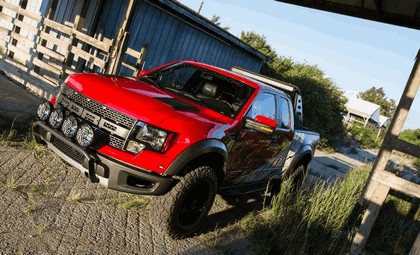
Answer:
[(70, 126), (135, 147), (56, 118), (44, 110), (84, 136)]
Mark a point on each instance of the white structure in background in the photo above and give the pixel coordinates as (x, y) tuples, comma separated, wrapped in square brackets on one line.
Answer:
[(362, 111), (365, 112)]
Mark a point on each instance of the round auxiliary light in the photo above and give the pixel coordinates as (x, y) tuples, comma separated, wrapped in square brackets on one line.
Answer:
[(44, 110), (84, 135), (56, 118), (70, 126)]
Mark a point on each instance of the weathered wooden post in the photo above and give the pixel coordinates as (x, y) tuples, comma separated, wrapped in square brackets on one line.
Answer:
[(380, 182), (119, 41)]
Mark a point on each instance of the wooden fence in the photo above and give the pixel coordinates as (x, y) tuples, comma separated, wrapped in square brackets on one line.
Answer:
[(380, 182), (53, 51)]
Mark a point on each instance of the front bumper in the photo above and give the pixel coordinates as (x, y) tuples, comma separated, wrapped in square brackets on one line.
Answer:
[(101, 169)]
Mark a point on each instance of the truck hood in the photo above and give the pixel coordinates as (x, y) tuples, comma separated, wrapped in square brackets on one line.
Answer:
[(150, 104)]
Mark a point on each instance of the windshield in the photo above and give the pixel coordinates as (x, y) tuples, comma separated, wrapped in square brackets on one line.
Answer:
[(215, 91)]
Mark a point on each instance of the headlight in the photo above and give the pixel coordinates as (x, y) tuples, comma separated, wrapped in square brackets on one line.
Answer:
[(44, 110), (147, 136), (70, 126), (84, 136), (56, 118)]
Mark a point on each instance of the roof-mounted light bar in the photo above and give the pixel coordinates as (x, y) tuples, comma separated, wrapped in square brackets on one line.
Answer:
[(265, 79)]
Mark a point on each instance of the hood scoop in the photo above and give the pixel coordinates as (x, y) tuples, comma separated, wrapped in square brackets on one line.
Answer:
[(178, 105)]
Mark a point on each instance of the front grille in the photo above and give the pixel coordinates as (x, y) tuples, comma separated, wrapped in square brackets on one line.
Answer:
[(112, 140), (106, 132), (69, 151), (95, 107)]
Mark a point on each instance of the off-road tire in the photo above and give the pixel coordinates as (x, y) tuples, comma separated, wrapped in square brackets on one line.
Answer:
[(298, 176), (183, 210)]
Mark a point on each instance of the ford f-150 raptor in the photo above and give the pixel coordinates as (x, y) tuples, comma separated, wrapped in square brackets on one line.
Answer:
[(184, 132)]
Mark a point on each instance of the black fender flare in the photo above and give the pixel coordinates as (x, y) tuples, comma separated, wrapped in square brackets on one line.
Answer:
[(302, 152), (194, 151)]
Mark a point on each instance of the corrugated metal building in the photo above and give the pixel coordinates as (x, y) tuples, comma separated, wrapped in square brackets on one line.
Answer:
[(170, 30)]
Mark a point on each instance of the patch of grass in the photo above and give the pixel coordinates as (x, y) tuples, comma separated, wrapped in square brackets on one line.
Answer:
[(212, 239), (36, 147), (313, 220), (40, 229), (2, 50), (130, 202), (11, 183), (28, 209), (8, 135), (75, 197), (33, 188), (397, 225)]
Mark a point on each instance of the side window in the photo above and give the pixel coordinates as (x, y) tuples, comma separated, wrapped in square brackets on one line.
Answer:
[(265, 105), (284, 117)]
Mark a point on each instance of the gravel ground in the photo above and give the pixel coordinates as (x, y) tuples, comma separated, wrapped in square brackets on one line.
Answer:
[(49, 208)]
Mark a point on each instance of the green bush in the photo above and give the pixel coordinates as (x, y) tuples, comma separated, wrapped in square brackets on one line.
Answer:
[(367, 137)]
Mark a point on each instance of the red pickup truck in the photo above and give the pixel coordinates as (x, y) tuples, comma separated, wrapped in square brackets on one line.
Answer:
[(183, 131)]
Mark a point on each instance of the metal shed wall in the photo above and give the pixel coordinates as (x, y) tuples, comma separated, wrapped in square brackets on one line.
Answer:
[(171, 36)]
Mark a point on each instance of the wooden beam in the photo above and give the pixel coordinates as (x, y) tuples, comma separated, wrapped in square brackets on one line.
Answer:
[(402, 146), (19, 10), (369, 218), (118, 43), (415, 250), (92, 41), (396, 183)]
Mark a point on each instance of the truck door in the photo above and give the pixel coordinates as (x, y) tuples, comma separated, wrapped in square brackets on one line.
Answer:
[(258, 150)]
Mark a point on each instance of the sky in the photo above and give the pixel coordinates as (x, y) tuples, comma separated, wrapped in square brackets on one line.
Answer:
[(356, 54)]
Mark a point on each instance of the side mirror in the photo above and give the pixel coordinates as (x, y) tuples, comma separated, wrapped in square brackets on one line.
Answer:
[(261, 124), (143, 73)]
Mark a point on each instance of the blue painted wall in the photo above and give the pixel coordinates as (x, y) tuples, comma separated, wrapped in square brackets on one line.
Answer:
[(170, 31), (172, 37)]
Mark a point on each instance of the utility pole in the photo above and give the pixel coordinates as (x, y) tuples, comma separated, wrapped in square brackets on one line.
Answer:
[(201, 6)]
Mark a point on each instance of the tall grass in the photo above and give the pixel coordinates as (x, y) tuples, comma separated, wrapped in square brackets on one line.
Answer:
[(397, 225), (314, 220)]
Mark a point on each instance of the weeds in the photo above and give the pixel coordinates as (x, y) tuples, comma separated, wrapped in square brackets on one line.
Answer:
[(74, 197), (8, 135), (397, 225), (212, 239), (11, 183), (315, 220), (130, 202)]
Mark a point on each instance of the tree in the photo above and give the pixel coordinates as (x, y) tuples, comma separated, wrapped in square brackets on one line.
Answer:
[(259, 43), (216, 20), (377, 96), (323, 101)]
